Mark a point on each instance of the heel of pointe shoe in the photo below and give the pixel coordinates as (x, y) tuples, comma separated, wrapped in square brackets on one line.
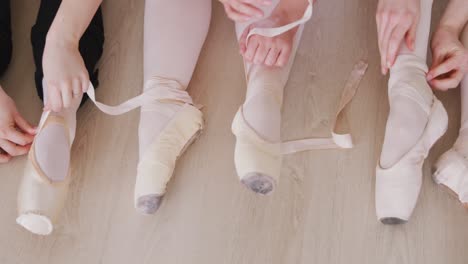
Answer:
[(443, 167), (438, 122), (449, 172)]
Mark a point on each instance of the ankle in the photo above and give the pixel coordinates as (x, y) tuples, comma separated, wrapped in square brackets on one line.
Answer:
[(461, 144)]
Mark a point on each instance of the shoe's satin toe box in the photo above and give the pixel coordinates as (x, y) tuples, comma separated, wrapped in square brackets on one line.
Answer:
[(396, 192), (254, 156), (40, 201), (157, 165)]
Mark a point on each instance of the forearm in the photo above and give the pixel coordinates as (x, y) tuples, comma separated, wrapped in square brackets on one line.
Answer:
[(455, 15), (293, 9), (71, 20), (2, 92)]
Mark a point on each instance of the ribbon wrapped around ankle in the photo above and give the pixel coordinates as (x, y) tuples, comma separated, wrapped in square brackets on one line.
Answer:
[(160, 89), (271, 32), (340, 138)]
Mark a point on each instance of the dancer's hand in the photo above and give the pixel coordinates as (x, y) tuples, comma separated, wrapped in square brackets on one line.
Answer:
[(449, 59), (269, 51), (397, 20), (16, 134), (65, 73), (243, 10)]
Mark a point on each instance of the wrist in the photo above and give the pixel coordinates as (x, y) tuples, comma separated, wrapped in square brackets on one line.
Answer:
[(450, 29), (451, 26), (62, 34), (61, 39)]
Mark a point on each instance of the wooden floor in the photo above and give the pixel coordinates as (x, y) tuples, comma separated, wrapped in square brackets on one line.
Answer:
[(323, 210)]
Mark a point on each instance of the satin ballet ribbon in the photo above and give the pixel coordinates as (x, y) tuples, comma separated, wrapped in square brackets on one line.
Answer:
[(172, 90), (161, 89), (271, 32), (340, 137)]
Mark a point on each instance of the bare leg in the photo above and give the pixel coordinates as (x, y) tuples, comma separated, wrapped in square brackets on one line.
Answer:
[(462, 140)]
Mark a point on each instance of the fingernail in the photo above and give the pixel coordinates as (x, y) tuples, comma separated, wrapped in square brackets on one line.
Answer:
[(389, 64), (267, 2)]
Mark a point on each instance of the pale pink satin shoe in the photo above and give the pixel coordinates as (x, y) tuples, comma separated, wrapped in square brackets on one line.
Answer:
[(157, 165), (40, 198), (398, 186)]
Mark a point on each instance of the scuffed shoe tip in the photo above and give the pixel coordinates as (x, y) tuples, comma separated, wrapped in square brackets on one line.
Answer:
[(149, 204), (259, 183), (392, 221)]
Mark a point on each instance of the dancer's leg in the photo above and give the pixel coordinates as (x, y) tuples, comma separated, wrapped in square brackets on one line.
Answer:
[(407, 120), (451, 168), (5, 35), (174, 33), (462, 141), (44, 186), (464, 98), (417, 119), (53, 144), (264, 98), (262, 112)]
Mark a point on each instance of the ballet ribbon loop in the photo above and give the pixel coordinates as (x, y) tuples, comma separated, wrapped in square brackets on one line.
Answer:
[(161, 89), (340, 137), (271, 32)]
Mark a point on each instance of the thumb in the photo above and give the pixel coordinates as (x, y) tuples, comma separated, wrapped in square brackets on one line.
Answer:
[(24, 125)]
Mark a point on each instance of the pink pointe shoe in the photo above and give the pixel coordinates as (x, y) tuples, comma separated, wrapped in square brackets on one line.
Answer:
[(398, 186)]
